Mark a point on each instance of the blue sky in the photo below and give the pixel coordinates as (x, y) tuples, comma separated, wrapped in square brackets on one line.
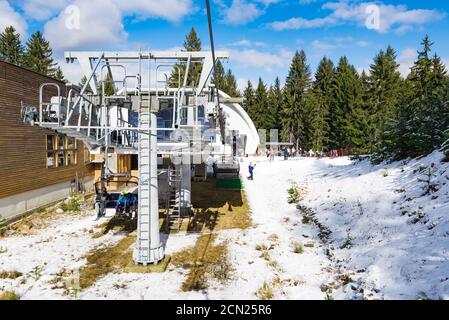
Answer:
[(261, 35)]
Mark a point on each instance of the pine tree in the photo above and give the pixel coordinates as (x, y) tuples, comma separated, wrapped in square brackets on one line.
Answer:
[(350, 117), (83, 82), (261, 117), (249, 104), (383, 86), (11, 49), (231, 84), (275, 104), (297, 84), (38, 56), (109, 86), (220, 75), (192, 43), (322, 89), (394, 144), (427, 122), (59, 75)]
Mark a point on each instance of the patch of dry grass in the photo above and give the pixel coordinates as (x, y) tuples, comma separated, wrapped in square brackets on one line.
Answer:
[(204, 261), (298, 248), (218, 209), (265, 292), (8, 296), (106, 260), (10, 274)]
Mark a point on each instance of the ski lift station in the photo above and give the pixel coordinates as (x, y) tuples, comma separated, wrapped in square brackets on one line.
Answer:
[(171, 130)]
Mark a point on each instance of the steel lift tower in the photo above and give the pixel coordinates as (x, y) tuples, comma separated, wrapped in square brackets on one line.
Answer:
[(105, 123)]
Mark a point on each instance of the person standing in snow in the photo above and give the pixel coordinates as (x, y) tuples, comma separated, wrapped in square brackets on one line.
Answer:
[(271, 154), (251, 171)]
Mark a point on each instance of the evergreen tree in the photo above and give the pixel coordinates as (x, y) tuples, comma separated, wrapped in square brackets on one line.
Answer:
[(383, 85), (275, 104), (83, 82), (59, 75), (109, 86), (11, 49), (261, 116), (230, 86), (428, 111), (350, 117), (322, 89), (192, 43), (38, 56), (249, 104), (297, 84), (220, 75)]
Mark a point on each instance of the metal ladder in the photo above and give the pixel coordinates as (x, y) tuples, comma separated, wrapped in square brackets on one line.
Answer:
[(143, 229), (174, 218)]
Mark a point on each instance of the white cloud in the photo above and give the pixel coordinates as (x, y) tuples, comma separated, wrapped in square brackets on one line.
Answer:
[(9, 17), (43, 9), (249, 43), (391, 17), (96, 30), (267, 61), (268, 2), (241, 12), (171, 10), (328, 44)]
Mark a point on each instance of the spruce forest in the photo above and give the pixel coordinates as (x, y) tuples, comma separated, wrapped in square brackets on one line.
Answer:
[(377, 112)]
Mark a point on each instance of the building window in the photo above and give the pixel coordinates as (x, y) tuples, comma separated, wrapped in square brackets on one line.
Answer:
[(61, 151)]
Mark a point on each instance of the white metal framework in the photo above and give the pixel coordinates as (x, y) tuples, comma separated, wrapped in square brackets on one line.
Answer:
[(127, 122)]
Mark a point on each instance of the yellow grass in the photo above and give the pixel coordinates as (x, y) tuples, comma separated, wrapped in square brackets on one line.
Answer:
[(204, 260)]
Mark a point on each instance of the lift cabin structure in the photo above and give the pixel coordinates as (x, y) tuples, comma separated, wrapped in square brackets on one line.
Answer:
[(184, 123)]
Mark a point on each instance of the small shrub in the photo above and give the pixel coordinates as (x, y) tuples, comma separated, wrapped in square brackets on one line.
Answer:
[(3, 250), (266, 256), (297, 247), (293, 195), (430, 185), (273, 264), (306, 219), (71, 205), (36, 272), (329, 297), (347, 244), (265, 292), (2, 222)]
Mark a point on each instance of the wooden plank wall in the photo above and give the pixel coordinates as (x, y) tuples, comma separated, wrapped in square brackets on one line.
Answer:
[(23, 155)]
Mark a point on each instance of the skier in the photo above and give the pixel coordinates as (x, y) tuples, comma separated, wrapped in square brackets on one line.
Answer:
[(271, 154), (251, 171)]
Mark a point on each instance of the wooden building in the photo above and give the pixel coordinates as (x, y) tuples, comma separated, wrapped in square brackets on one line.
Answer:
[(37, 166)]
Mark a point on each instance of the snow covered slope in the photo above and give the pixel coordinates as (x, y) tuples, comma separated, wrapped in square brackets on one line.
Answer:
[(357, 231), (388, 224)]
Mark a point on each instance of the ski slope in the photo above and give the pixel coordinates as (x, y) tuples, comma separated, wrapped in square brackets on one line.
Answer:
[(385, 237)]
